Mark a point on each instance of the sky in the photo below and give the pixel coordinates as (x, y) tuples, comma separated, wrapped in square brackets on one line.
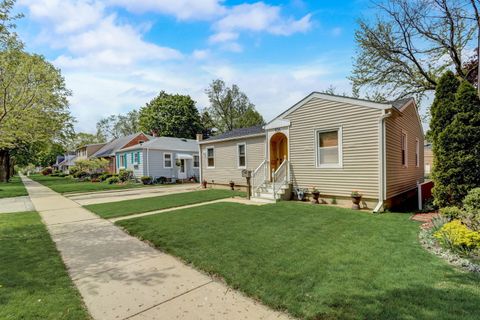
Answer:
[(116, 55)]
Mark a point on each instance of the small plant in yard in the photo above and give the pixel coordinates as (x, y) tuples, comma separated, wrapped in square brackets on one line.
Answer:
[(232, 184), (315, 194), (356, 198), (113, 180), (125, 175), (334, 200), (458, 237), (146, 180), (451, 213), (47, 171)]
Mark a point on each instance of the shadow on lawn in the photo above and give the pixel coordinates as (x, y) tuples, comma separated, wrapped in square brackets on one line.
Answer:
[(416, 302)]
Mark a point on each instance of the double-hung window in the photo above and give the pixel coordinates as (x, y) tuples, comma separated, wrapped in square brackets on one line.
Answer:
[(167, 160), (329, 148), (196, 161), (417, 153), (242, 155), (210, 157), (404, 144), (136, 158)]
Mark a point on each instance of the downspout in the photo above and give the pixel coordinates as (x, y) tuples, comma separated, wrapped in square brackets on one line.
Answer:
[(200, 168), (148, 165), (381, 161)]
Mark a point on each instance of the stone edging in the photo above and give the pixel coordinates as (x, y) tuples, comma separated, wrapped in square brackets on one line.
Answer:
[(426, 240)]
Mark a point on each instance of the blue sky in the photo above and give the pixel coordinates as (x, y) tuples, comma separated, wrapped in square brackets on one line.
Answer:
[(118, 54)]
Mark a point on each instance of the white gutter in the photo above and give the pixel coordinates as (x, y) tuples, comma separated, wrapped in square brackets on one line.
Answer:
[(381, 162)]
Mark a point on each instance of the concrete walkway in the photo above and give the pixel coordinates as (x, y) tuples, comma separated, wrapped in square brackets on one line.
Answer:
[(130, 194), (235, 200), (16, 204), (121, 277)]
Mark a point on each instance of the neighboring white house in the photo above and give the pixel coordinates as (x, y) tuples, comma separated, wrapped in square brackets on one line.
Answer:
[(172, 158)]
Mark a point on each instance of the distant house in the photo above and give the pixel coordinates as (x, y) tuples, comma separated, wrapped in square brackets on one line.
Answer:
[(108, 150), (333, 143), (59, 160), (172, 158), (86, 151), (67, 162), (428, 158)]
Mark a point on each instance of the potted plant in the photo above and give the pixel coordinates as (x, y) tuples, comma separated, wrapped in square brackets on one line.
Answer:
[(232, 185), (315, 195), (204, 184), (356, 198), (146, 180)]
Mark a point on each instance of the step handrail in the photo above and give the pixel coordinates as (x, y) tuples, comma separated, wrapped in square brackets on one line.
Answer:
[(258, 171)]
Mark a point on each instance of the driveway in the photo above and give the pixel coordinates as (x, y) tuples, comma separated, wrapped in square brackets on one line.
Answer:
[(129, 194), (121, 277)]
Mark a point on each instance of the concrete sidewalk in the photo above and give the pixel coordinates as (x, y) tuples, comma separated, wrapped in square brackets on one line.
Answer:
[(16, 204), (121, 277)]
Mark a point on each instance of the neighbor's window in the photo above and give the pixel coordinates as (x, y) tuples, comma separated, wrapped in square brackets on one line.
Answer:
[(404, 148), (329, 148), (241, 153), (417, 153), (167, 160), (122, 161), (196, 161), (136, 158), (210, 158)]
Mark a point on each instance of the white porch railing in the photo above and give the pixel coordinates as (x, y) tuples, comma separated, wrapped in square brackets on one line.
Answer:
[(259, 176), (280, 177)]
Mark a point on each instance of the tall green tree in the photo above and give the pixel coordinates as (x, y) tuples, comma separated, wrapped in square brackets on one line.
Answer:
[(457, 150), (409, 44), (171, 115), (115, 126), (230, 108), (443, 108)]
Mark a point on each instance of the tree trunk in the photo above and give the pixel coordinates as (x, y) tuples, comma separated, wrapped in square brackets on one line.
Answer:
[(4, 165)]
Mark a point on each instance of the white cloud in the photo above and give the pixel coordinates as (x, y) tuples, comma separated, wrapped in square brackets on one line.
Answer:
[(65, 16), (336, 31), (223, 37), (260, 17), (200, 54), (181, 9)]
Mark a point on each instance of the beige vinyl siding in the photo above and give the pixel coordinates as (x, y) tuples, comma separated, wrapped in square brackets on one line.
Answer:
[(403, 178), (226, 166), (360, 147)]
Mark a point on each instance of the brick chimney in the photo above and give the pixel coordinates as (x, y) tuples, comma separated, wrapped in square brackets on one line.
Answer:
[(199, 136)]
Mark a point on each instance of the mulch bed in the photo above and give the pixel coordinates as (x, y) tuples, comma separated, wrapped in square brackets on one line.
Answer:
[(426, 218)]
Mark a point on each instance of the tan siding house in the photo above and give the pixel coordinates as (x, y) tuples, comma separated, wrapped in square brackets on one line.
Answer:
[(226, 164), (335, 144), (404, 150)]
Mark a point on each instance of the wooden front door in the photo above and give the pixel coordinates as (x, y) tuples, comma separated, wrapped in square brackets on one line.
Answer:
[(278, 150)]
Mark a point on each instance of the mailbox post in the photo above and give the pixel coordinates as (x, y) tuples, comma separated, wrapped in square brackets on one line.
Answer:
[(248, 175)]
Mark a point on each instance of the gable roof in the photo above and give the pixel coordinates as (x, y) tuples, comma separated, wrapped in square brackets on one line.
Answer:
[(397, 104), (237, 133), (69, 160), (113, 146), (167, 143)]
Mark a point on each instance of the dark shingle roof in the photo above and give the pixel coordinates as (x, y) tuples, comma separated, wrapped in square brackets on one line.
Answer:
[(398, 104), (113, 146), (242, 132)]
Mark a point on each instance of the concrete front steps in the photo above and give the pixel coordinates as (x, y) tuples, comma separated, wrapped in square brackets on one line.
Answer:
[(265, 193)]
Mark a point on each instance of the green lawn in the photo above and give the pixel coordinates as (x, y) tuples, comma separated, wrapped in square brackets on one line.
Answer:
[(33, 281), (317, 262), (128, 207), (14, 188), (68, 185)]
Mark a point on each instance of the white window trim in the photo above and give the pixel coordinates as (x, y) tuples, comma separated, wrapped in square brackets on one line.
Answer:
[(136, 158), (123, 159), (193, 164), (340, 148), (417, 153), (238, 155), (206, 157), (171, 160), (406, 148)]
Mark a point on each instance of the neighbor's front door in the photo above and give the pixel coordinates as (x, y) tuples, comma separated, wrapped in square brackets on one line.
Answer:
[(182, 171)]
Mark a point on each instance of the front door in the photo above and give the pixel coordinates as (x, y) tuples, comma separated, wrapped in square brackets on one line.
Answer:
[(182, 171), (278, 150)]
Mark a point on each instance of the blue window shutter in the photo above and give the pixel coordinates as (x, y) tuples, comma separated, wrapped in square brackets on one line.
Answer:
[(138, 153), (132, 156)]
